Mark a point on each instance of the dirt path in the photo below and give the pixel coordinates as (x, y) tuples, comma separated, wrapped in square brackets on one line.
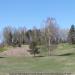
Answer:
[(18, 51)]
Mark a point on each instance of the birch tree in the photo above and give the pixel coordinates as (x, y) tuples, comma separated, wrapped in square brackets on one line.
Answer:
[(51, 34)]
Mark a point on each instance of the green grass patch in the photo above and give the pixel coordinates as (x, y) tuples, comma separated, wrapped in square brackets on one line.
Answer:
[(36, 64), (3, 49), (62, 61)]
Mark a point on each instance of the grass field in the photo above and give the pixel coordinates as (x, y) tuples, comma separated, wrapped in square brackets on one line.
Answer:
[(3, 49), (62, 61)]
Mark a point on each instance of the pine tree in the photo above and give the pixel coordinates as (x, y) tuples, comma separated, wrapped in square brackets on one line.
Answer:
[(33, 47), (71, 36)]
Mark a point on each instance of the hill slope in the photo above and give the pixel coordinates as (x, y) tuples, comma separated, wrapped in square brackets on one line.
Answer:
[(18, 51)]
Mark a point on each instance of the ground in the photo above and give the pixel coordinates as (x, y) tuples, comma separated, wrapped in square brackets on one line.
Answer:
[(63, 60), (16, 51)]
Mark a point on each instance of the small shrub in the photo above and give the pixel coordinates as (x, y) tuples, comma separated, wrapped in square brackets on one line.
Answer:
[(33, 47)]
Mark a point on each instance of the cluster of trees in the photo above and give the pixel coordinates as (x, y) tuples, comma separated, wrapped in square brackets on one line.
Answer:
[(49, 36), (17, 37)]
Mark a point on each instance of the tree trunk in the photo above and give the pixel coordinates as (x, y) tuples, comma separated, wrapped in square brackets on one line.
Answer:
[(49, 48)]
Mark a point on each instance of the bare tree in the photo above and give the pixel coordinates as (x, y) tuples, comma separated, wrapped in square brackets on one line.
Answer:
[(7, 35), (50, 34), (17, 38), (22, 34), (63, 35)]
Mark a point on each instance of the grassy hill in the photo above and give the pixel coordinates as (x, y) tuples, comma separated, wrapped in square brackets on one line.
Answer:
[(62, 61)]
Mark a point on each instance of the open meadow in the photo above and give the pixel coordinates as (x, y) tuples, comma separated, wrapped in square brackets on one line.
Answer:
[(63, 60)]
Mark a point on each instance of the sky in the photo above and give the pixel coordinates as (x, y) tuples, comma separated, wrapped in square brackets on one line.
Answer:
[(31, 13)]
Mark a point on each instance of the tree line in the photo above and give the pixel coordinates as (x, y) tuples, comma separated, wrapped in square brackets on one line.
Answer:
[(49, 35)]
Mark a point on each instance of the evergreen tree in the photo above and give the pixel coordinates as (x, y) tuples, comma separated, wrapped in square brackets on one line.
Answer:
[(71, 36), (33, 47)]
